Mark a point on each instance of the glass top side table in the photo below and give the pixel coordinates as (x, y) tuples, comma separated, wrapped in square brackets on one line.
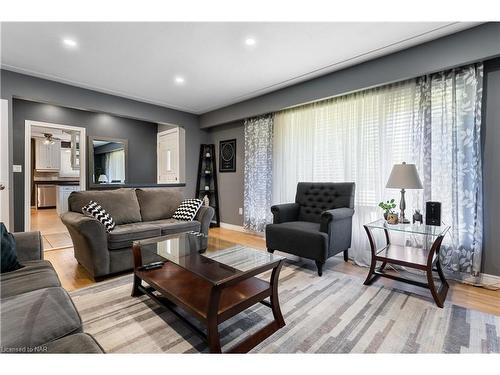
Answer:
[(425, 258)]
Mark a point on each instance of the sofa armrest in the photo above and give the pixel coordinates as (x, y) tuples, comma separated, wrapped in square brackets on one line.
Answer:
[(336, 214), (29, 246), (285, 212), (90, 242), (205, 215), (337, 223)]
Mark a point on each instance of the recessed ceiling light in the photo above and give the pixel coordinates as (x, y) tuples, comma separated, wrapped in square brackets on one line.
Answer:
[(70, 43), (179, 80), (250, 41)]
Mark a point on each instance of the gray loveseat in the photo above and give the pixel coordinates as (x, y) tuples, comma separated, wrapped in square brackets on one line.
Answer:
[(317, 226), (37, 314), (138, 214)]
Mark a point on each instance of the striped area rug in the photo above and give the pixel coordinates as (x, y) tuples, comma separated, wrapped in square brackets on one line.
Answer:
[(335, 313)]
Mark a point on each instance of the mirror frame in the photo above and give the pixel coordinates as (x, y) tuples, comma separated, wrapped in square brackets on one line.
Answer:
[(90, 163)]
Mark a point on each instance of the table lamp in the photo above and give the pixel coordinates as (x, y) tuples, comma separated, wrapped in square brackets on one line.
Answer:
[(404, 176)]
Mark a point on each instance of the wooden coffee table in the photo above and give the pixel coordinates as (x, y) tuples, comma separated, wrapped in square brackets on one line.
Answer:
[(211, 280)]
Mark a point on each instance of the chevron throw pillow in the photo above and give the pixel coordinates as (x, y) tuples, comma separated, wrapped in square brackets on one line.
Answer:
[(95, 210), (187, 209)]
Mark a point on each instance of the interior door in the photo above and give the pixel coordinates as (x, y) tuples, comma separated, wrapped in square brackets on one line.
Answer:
[(4, 163), (168, 157)]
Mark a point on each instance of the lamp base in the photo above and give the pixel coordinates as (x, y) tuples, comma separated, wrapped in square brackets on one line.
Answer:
[(404, 221)]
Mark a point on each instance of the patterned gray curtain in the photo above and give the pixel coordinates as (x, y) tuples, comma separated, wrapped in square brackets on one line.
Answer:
[(258, 172), (447, 143)]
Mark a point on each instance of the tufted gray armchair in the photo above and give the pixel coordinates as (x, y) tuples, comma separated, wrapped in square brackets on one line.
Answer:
[(317, 226)]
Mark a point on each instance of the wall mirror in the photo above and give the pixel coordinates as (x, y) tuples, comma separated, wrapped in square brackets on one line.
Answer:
[(107, 161)]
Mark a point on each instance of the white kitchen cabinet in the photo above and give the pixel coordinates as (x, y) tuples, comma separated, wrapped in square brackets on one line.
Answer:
[(66, 170), (62, 194), (47, 156)]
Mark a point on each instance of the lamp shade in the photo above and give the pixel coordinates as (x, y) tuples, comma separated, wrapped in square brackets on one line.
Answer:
[(404, 176), (103, 178)]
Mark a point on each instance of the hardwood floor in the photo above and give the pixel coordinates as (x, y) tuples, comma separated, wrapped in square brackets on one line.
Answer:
[(73, 276), (54, 232)]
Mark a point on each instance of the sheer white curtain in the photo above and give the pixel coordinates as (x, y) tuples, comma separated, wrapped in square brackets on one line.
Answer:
[(258, 169), (356, 137), (115, 166)]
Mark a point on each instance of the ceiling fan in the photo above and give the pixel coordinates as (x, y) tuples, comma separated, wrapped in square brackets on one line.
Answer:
[(49, 139)]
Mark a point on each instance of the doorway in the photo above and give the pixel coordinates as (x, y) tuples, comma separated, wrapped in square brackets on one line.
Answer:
[(54, 167), (170, 154)]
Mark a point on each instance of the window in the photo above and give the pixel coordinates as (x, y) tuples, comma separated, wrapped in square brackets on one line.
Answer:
[(356, 137)]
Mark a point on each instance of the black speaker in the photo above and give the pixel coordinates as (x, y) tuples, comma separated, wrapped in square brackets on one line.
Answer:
[(433, 213)]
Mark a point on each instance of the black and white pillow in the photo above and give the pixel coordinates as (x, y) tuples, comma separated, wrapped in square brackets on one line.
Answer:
[(187, 209), (95, 210)]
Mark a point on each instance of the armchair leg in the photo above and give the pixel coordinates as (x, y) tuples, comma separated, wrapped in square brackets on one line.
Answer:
[(320, 267), (346, 255), (270, 250)]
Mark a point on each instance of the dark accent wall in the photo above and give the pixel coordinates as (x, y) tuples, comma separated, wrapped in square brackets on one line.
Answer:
[(230, 183), (141, 135), (491, 167), (472, 45), (108, 108)]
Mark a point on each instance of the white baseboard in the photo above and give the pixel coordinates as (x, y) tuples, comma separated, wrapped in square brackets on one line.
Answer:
[(483, 280), (240, 228)]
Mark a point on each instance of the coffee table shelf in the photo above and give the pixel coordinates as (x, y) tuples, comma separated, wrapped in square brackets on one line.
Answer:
[(193, 293)]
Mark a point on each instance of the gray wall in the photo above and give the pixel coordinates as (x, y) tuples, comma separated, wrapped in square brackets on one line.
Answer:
[(14, 85), (491, 168), (476, 44), (230, 183), (141, 136), (163, 127)]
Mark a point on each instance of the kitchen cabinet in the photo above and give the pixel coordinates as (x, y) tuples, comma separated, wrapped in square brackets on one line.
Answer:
[(66, 169), (62, 194), (47, 156)]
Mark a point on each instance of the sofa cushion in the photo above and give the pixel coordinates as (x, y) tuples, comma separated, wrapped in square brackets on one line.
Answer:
[(171, 226), (35, 318), (300, 238), (123, 235), (79, 343), (158, 203), (300, 225), (35, 275), (9, 260), (121, 204)]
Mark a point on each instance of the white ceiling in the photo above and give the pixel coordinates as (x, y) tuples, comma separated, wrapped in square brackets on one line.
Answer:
[(140, 60)]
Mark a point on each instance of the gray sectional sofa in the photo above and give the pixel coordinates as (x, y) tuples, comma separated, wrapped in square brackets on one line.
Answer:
[(37, 314), (138, 214)]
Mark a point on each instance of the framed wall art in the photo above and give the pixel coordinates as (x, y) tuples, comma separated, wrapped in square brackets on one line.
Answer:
[(227, 156)]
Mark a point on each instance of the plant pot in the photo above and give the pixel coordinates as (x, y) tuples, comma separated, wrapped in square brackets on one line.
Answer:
[(392, 218)]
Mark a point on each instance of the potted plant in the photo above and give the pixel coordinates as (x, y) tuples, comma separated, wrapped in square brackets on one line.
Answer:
[(387, 207)]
